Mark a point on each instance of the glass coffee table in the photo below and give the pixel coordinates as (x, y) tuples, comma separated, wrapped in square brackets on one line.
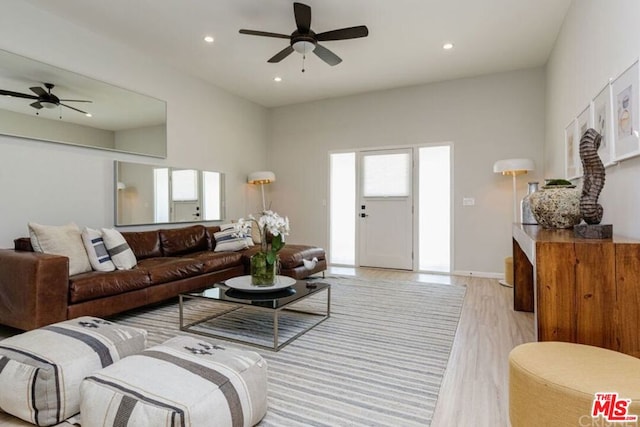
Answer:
[(252, 315)]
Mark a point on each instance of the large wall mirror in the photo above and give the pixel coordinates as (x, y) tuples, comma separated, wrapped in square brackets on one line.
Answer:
[(40, 101), (156, 194)]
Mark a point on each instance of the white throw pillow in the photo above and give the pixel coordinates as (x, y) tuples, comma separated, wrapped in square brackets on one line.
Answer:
[(96, 250), (65, 240), (249, 238), (226, 241), (119, 251)]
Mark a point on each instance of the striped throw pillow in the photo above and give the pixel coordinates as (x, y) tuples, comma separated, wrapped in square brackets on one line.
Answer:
[(96, 250), (228, 241), (119, 251)]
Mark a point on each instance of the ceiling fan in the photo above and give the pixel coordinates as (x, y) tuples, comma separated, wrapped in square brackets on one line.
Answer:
[(44, 98), (303, 40)]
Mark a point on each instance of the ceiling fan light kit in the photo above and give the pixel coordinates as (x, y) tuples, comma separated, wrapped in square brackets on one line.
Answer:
[(303, 40), (45, 99)]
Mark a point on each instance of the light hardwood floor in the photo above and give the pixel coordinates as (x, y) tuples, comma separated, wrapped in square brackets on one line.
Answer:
[(474, 391), (475, 388)]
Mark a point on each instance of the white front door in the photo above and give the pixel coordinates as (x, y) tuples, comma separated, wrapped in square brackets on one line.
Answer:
[(385, 211)]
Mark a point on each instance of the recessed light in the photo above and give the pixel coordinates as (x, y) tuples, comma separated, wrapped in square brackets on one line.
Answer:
[(447, 46), (277, 79), (89, 115), (208, 39)]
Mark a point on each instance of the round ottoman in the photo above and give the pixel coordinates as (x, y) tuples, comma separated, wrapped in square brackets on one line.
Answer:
[(555, 383)]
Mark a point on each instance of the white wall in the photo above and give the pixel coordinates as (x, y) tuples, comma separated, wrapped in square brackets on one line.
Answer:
[(487, 118), (147, 139), (13, 123), (207, 128), (599, 40)]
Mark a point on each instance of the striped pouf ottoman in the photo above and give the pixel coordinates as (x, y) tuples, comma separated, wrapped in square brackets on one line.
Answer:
[(183, 382), (41, 370)]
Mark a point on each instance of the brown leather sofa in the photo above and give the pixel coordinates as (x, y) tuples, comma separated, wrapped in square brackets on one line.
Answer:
[(36, 289)]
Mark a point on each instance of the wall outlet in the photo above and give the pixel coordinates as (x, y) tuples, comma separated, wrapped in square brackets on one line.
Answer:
[(468, 201)]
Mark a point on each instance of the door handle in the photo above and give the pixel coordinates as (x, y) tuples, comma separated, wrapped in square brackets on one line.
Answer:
[(363, 215)]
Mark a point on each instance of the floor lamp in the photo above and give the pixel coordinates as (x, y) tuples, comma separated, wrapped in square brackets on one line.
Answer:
[(513, 167), (262, 178)]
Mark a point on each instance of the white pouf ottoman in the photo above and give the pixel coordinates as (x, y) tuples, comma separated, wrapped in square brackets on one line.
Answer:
[(41, 370), (183, 382)]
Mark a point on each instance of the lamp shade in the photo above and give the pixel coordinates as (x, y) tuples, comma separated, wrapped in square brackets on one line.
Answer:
[(513, 166), (261, 177)]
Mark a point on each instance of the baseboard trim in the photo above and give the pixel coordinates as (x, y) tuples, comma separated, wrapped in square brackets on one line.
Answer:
[(484, 274)]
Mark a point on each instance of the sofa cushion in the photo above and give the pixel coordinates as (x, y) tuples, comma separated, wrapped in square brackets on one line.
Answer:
[(168, 269), (119, 250), (41, 370), (23, 244), (184, 381), (62, 240), (144, 244), (291, 256), (180, 241), (215, 261), (96, 284)]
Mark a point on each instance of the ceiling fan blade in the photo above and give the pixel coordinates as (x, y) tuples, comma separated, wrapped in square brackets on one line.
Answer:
[(344, 33), (302, 13), (73, 108), (36, 105), (17, 94), (281, 55), (75, 100), (38, 91), (326, 55), (264, 34)]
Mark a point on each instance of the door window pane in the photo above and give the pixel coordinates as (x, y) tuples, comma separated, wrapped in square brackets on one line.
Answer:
[(435, 209), (184, 185), (161, 189), (386, 175), (211, 195), (343, 209)]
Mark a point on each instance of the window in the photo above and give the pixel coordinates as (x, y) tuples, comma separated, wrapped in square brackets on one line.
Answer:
[(342, 241), (434, 222)]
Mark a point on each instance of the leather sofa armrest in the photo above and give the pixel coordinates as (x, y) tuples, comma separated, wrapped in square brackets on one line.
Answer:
[(34, 288)]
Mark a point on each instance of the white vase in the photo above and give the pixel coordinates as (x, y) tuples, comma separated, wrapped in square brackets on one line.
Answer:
[(525, 205)]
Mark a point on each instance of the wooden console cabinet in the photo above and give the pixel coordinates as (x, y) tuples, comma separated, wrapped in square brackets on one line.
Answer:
[(581, 290)]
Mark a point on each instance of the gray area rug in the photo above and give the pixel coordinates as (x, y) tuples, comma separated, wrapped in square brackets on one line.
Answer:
[(377, 361)]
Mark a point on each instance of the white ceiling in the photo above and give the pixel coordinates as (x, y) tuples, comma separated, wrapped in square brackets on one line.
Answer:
[(404, 46)]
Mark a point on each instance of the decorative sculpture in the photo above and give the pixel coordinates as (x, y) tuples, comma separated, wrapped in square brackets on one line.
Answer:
[(592, 184), (593, 179)]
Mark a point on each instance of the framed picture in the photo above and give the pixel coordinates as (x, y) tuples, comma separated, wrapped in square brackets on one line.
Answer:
[(572, 169), (626, 141), (602, 108)]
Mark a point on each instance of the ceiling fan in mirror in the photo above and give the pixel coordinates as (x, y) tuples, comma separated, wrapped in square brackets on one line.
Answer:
[(304, 40), (45, 99)]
